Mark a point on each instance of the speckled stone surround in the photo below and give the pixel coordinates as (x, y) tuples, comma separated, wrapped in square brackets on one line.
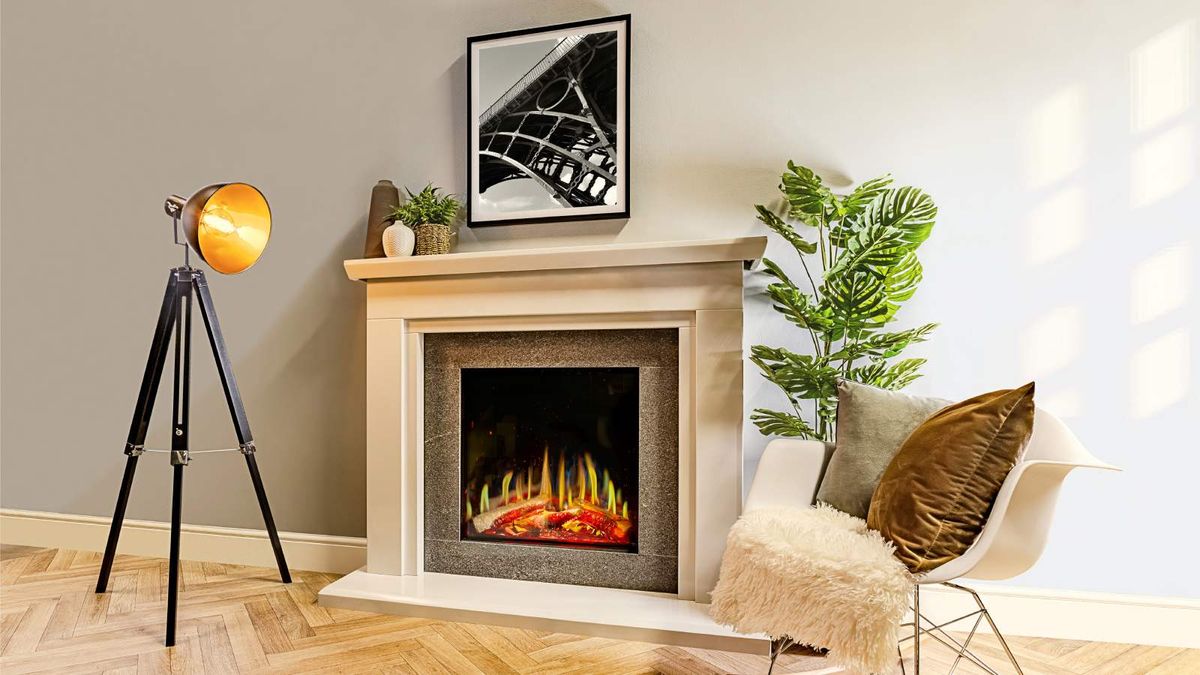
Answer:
[(655, 352)]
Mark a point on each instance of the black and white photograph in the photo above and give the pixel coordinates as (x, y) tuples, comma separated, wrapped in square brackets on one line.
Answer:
[(548, 115)]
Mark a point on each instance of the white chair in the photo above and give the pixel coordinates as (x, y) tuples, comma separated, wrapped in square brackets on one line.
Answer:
[(1011, 542)]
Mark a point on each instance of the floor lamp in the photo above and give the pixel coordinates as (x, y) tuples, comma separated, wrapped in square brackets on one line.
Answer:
[(228, 225)]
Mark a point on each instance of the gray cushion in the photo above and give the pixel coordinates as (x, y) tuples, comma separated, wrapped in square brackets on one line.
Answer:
[(871, 425)]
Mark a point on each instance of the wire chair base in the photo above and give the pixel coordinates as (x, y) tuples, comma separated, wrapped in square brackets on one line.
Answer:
[(922, 625)]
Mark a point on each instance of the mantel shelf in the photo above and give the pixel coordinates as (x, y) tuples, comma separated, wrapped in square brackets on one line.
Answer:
[(566, 257)]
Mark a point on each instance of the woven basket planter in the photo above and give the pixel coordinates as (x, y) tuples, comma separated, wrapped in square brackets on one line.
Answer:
[(432, 239)]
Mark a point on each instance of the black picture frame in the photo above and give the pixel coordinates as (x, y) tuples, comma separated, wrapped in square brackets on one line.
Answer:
[(572, 180)]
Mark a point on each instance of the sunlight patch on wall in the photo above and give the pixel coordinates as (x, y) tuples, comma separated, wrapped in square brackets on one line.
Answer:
[(1055, 226), (1159, 374), (1055, 138), (1162, 166), (1160, 284), (1066, 403), (1162, 77), (1051, 342)]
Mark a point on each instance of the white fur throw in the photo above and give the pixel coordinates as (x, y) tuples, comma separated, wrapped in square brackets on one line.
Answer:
[(818, 576)]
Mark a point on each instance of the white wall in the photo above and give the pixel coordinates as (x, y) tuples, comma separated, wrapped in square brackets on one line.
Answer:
[(1059, 139)]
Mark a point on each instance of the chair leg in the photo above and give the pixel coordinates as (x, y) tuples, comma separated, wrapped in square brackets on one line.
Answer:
[(938, 633), (965, 645), (778, 646), (916, 629), (988, 617)]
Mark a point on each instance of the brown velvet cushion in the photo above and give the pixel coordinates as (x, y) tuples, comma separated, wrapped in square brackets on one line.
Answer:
[(934, 497)]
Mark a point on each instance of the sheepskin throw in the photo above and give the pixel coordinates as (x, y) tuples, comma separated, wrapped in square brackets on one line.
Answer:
[(818, 576)]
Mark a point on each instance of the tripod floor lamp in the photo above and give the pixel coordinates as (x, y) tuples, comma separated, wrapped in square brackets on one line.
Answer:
[(228, 225)]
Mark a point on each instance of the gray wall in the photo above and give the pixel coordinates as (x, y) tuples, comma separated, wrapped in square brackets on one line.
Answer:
[(1059, 138)]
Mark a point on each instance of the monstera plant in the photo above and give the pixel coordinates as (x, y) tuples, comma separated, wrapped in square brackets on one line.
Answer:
[(858, 254)]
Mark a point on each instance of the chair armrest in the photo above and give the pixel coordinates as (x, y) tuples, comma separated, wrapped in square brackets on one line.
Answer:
[(788, 473), (1018, 524)]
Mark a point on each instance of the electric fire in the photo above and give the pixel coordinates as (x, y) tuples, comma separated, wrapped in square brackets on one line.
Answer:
[(550, 456)]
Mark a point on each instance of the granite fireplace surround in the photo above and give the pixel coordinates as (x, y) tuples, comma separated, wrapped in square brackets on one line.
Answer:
[(672, 309), (655, 352)]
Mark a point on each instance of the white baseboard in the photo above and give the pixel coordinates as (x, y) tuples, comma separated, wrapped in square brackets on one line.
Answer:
[(1068, 615), (1072, 615), (313, 552)]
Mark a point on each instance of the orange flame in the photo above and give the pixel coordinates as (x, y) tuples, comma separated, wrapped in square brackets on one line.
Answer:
[(591, 469), (546, 489), (582, 485), (562, 481)]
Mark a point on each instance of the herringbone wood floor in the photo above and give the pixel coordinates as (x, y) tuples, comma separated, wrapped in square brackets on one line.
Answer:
[(241, 619)]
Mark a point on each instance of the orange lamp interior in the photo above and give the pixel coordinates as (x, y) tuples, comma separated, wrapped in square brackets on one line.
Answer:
[(233, 228)]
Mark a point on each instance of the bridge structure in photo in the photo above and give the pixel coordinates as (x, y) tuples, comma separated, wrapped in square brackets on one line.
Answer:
[(557, 125)]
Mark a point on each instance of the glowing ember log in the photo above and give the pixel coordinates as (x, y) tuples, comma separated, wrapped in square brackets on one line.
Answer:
[(602, 521), (545, 520), (507, 513)]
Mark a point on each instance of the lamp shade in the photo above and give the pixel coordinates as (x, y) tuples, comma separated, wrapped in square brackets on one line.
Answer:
[(227, 224)]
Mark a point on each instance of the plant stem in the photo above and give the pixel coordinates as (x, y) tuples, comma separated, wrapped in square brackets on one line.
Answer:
[(816, 293), (826, 252), (821, 241)]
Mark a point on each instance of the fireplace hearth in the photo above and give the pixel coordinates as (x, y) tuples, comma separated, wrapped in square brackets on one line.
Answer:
[(550, 456)]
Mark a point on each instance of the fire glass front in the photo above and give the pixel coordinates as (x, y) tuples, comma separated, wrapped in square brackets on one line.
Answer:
[(550, 456)]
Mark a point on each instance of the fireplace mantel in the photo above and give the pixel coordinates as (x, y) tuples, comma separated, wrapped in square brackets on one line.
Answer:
[(693, 287), (559, 258)]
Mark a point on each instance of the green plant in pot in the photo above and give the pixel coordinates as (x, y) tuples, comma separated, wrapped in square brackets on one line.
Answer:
[(430, 215), (858, 257)]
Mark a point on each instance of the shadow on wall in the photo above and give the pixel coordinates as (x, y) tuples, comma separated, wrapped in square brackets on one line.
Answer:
[(303, 384), (314, 393)]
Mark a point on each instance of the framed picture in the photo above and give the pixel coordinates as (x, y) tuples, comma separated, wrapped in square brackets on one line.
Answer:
[(548, 119)]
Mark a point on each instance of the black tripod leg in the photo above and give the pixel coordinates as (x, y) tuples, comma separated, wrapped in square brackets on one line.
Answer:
[(173, 569), (265, 507), (141, 421), (179, 441), (233, 397), (114, 530)]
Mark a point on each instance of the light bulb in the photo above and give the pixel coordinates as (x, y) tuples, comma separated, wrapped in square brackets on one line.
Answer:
[(218, 218)]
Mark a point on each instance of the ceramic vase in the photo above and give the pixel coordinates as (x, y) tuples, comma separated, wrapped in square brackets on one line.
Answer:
[(384, 197), (398, 240)]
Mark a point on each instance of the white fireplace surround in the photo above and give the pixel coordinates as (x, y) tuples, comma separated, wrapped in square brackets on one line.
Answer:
[(692, 286)]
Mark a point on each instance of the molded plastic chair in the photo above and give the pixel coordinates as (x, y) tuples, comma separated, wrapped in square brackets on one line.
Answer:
[(1011, 542)]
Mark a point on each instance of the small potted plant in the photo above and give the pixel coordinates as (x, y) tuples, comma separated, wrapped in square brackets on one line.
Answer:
[(430, 216)]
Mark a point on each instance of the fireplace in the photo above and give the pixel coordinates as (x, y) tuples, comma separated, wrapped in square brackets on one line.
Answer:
[(553, 456), (669, 311), (550, 456)]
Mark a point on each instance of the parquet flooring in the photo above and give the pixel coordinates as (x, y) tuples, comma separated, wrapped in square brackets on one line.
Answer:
[(235, 619)]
